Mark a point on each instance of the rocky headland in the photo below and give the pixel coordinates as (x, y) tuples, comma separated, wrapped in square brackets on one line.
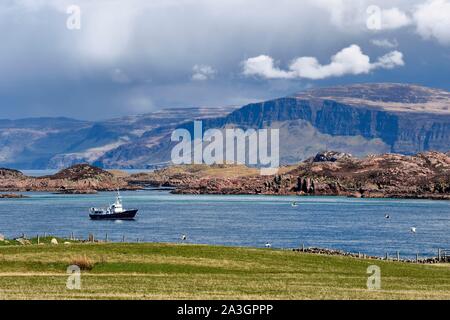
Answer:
[(78, 179), (425, 175)]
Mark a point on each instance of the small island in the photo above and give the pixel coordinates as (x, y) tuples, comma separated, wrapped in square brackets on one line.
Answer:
[(77, 179), (421, 176)]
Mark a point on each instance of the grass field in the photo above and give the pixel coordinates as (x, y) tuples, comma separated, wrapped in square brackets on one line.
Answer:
[(179, 271)]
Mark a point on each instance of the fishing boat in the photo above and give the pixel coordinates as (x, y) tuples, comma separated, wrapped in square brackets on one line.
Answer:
[(114, 212)]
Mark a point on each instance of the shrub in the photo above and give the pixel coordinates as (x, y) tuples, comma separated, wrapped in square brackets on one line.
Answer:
[(83, 262)]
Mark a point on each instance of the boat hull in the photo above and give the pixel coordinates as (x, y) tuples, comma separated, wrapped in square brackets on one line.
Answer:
[(126, 215)]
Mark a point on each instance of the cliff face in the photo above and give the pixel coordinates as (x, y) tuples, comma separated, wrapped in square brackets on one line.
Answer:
[(407, 119), (358, 119), (425, 175)]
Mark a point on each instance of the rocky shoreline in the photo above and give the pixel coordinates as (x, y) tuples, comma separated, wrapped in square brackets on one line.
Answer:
[(333, 252), (422, 176), (12, 196)]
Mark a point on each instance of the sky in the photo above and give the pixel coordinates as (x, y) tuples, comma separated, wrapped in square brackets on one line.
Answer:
[(98, 59)]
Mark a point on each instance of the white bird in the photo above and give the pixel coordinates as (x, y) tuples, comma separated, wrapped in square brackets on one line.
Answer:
[(413, 229), (183, 237), (268, 245), (294, 204), (387, 216)]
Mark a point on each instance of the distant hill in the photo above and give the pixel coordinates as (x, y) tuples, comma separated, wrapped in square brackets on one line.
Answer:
[(41, 143), (358, 119), (78, 179)]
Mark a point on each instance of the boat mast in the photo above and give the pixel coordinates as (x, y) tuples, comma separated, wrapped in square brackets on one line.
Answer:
[(119, 198)]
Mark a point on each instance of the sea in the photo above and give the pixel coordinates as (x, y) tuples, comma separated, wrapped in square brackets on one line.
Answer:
[(348, 224)]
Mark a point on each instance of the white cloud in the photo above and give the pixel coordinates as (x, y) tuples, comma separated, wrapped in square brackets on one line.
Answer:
[(433, 20), (389, 61), (264, 66), (394, 18), (203, 72), (352, 16), (385, 43), (350, 60)]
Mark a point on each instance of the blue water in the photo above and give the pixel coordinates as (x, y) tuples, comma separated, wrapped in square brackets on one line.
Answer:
[(354, 225)]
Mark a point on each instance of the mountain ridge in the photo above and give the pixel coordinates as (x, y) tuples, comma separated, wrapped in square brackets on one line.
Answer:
[(321, 124), (360, 119)]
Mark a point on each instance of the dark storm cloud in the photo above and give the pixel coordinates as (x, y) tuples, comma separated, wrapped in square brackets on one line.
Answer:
[(136, 56)]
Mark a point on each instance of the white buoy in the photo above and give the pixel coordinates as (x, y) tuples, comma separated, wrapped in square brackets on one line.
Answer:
[(413, 229), (183, 237), (387, 216)]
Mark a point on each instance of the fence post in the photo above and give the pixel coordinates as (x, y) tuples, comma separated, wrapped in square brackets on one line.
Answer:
[(106, 237), (386, 256), (123, 238), (38, 239), (303, 247), (398, 256), (439, 254), (417, 258)]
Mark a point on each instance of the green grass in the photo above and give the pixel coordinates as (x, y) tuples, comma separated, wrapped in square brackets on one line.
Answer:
[(171, 271)]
